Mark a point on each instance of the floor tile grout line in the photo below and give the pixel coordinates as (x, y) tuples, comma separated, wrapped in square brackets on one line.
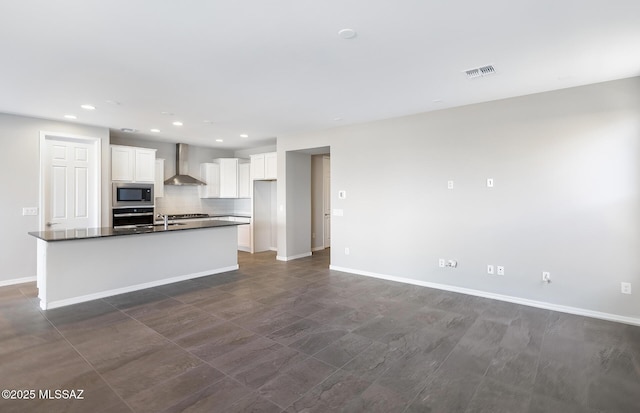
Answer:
[(180, 347), (87, 361)]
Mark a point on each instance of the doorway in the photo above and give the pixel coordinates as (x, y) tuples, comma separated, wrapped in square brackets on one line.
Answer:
[(320, 202), (70, 181)]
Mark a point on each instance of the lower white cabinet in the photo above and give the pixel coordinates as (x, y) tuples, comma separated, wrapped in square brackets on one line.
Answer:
[(244, 234), (244, 231)]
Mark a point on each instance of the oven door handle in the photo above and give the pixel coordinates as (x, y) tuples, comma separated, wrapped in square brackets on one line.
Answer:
[(133, 214)]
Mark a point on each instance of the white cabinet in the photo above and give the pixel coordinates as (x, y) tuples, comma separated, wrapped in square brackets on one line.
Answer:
[(228, 177), (244, 180), (210, 174), (130, 164), (158, 188), (122, 158), (244, 231), (257, 166), (244, 234), (224, 178), (264, 166), (271, 165)]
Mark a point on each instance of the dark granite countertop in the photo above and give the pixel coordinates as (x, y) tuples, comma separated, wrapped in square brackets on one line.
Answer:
[(86, 233)]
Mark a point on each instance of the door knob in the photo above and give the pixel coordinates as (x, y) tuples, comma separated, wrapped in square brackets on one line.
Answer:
[(50, 224)]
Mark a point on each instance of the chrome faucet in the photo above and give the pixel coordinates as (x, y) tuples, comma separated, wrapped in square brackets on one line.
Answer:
[(165, 219)]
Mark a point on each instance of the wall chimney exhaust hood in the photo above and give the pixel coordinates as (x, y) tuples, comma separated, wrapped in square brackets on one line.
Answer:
[(182, 168)]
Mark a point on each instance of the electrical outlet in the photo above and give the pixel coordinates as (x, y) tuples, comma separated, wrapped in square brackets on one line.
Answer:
[(346, 251), (452, 263), (500, 270), (450, 184), (30, 211), (490, 269), (441, 263), (625, 288), (546, 277)]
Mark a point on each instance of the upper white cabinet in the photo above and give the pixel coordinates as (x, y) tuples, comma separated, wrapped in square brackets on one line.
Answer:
[(228, 177), (131, 164), (224, 178), (158, 188), (244, 180), (210, 175), (271, 165), (264, 166)]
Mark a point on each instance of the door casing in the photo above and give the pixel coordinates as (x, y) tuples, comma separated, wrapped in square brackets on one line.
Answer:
[(96, 167)]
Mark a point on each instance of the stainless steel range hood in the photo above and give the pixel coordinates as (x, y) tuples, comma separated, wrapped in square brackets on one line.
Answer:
[(182, 168)]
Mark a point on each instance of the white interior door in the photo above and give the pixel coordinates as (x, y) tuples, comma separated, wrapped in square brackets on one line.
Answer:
[(71, 182), (326, 199)]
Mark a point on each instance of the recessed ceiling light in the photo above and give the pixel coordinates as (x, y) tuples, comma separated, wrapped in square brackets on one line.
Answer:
[(177, 123), (437, 101), (337, 119), (88, 107), (129, 130), (166, 113), (219, 140), (155, 130), (347, 34), (71, 116), (244, 135)]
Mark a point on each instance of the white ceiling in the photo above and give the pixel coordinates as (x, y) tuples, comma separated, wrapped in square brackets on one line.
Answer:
[(273, 68)]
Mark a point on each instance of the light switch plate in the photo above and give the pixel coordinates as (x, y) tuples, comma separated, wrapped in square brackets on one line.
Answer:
[(500, 270), (342, 194), (489, 182)]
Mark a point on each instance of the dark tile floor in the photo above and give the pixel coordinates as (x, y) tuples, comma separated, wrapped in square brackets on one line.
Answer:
[(295, 337)]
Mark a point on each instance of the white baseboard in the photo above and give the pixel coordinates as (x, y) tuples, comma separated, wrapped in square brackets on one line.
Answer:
[(76, 300), (516, 300), (317, 249), (14, 281), (293, 257)]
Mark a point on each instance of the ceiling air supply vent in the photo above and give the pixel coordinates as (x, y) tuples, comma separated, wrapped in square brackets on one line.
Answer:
[(480, 72)]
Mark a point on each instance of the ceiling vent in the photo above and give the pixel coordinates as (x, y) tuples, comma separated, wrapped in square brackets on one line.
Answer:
[(480, 72)]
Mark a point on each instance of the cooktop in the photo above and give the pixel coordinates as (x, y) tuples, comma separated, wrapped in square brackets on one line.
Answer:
[(187, 216)]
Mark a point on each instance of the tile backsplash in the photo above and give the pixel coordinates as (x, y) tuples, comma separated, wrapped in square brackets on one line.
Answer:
[(185, 200)]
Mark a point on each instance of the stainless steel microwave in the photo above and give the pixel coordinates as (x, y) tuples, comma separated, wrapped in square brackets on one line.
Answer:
[(129, 195)]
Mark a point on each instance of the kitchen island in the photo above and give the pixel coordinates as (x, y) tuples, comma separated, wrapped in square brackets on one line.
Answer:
[(85, 264)]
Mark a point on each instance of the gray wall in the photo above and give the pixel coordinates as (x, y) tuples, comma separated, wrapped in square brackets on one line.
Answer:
[(19, 187), (566, 197), (294, 204)]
